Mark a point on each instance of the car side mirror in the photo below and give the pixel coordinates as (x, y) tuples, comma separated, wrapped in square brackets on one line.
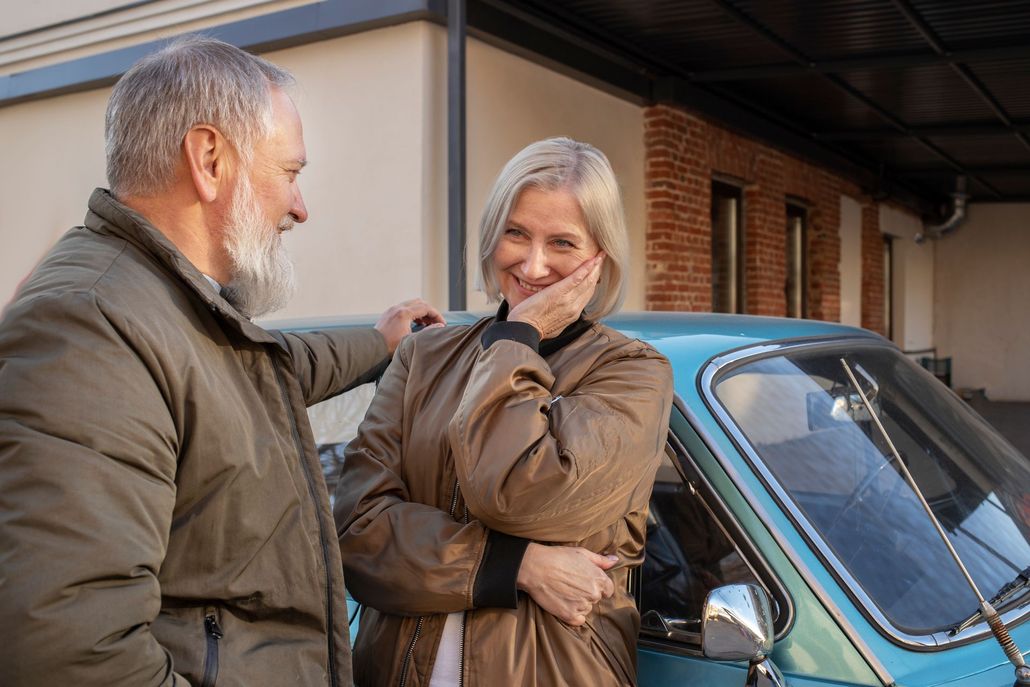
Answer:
[(737, 625)]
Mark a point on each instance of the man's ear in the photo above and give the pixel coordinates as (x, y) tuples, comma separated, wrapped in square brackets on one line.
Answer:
[(207, 160)]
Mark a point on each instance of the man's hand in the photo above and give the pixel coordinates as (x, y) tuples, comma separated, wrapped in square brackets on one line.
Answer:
[(395, 323), (556, 307), (565, 581)]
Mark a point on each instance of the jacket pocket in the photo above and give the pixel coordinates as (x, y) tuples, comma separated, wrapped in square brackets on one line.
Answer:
[(212, 635)]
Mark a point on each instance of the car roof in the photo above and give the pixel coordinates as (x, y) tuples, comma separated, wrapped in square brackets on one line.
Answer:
[(689, 340), (716, 333)]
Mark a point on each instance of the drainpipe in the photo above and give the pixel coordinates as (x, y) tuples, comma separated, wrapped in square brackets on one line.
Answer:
[(958, 214), (456, 274)]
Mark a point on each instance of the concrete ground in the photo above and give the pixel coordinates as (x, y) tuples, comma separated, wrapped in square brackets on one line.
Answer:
[(1011, 419)]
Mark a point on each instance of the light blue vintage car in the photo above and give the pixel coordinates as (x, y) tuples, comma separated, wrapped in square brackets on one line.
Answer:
[(780, 500)]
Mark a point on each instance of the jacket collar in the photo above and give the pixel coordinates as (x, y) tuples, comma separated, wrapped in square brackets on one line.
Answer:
[(555, 344), (108, 215)]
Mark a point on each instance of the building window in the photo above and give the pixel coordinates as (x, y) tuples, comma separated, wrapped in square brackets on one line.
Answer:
[(727, 248), (888, 285), (797, 260)]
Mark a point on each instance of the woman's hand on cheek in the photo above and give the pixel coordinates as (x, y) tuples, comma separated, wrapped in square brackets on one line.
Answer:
[(560, 304)]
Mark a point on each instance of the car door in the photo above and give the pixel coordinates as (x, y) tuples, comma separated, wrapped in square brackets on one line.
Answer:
[(693, 546)]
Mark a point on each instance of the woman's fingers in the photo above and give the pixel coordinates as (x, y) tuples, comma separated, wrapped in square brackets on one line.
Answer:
[(558, 305), (567, 582)]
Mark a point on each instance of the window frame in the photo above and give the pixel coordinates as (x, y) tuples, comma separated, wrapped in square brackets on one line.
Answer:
[(736, 261), (797, 213), (723, 364), (697, 482), (888, 285)]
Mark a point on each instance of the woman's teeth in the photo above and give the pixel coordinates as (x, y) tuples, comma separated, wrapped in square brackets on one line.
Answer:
[(528, 287)]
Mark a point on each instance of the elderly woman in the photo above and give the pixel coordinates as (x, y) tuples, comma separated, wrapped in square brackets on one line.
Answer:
[(513, 455)]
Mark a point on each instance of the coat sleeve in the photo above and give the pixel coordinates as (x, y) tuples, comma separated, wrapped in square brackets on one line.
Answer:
[(399, 556), (332, 361), (87, 469), (550, 469)]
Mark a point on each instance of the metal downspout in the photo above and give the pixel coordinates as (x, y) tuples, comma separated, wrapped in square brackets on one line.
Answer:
[(958, 214), (456, 272)]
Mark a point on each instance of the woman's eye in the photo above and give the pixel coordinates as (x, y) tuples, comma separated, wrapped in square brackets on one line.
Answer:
[(511, 231), (562, 243)]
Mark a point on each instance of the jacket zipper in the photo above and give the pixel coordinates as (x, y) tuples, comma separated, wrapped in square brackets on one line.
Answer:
[(465, 614), (454, 500), (418, 626), (461, 651), (411, 650), (212, 633), (333, 680)]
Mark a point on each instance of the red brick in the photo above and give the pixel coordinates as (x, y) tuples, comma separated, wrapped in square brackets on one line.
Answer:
[(682, 153)]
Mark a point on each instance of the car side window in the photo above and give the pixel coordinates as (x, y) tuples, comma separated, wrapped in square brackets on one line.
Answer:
[(688, 553), (334, 423)]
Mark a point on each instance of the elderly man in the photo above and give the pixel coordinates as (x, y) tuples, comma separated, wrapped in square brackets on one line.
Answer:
[(163, 519)]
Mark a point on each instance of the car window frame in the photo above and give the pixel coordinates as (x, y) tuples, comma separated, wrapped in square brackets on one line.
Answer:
[(688, 469), (723, 364)]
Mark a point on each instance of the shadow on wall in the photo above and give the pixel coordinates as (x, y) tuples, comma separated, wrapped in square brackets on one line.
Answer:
[(1011, 418)]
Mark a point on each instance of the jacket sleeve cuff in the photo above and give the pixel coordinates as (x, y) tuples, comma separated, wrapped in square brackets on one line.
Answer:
[(513, 331), (496, 583)]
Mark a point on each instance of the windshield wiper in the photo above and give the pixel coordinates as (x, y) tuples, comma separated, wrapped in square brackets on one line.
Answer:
[(1008, 590), (998, 629)]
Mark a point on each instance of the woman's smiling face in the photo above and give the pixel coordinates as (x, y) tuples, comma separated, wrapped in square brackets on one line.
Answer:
[(544, 240)]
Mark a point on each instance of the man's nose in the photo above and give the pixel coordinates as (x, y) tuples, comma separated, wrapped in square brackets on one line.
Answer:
[(298, 210)]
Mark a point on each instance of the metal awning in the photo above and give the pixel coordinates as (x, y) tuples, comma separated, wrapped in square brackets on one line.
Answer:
[(900, 95)]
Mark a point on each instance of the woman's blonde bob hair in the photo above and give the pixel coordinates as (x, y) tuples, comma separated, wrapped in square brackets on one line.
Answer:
[(582, 170)]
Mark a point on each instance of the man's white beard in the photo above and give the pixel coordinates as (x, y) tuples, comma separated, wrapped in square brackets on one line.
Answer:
[(262, 274)]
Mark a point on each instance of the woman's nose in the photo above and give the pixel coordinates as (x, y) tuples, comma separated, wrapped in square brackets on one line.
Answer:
[(535, 264)]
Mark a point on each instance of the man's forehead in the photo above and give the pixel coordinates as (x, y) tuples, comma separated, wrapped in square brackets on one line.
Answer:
[(287, 130)]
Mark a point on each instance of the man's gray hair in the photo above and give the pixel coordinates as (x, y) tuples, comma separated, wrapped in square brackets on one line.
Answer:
[(582, 170), (192, 80)]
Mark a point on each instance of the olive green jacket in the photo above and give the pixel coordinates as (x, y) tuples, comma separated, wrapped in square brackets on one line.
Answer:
[(163, 516)]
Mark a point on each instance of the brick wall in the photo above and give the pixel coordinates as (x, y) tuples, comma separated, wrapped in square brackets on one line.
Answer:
[(872, 271), (683, 153), (678, 196)]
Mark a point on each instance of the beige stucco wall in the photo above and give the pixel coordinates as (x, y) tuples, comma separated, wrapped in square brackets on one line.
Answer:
[(25, 16), (982, 315), (374, 111), (512, 102), (367, 125), (362, 103), (54, 152), (912, 302), (46, 32), (850, 261)]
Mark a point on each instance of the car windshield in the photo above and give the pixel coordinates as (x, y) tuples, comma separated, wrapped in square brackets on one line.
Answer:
[(808, 425)]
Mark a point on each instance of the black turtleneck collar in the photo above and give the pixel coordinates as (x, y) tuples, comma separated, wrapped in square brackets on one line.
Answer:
[(527, 334)]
